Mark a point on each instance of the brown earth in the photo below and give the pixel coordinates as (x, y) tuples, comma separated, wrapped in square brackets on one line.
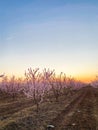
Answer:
[(80, 115), (78, 111)]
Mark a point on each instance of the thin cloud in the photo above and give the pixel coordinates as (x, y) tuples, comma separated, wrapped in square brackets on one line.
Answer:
[(11, 37)]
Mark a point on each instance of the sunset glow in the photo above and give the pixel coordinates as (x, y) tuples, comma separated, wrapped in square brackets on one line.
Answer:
[(55, 34)]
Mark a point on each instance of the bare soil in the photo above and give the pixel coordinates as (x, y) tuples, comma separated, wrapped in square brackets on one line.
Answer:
[(78, 111), (80, 114)]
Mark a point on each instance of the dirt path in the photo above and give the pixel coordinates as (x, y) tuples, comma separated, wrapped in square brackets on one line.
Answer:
[(14, 107), (79, 115)]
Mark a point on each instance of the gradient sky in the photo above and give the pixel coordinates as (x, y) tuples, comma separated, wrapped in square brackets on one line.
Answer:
[(57, 34)]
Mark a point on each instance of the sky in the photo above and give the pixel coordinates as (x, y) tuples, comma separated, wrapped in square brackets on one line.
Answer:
[(56, 34)]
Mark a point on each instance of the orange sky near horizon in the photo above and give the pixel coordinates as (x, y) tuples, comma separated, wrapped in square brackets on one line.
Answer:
[(87, 78), (55, 34)]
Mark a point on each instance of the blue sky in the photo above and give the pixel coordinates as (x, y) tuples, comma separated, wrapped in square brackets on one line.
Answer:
[(57, 34)]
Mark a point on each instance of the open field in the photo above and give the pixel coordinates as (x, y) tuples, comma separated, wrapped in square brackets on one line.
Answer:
[(76, 111), (81, 114)]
